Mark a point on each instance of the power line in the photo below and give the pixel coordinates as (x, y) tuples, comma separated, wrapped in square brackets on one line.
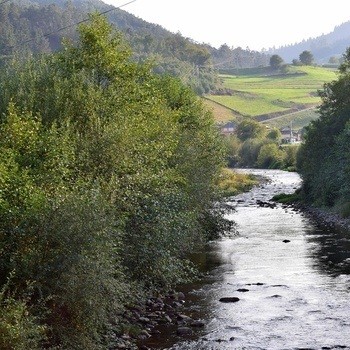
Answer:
[(72, 25)]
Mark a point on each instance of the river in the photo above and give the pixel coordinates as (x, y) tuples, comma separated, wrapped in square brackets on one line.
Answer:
[(292, 278)]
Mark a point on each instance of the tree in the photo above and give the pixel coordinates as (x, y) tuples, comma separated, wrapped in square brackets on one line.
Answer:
[(333, 60), (276, 62), (107, 174), (324, 156), (270, 156), (306, 57), (274, 135), (249, 129)]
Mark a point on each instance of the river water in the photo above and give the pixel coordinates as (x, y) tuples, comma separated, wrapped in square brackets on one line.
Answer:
[(297, 293)]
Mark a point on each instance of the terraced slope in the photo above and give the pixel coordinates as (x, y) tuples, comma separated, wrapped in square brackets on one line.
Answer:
[(265, 97)]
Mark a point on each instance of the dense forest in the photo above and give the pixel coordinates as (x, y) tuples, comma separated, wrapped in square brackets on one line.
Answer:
[(108, 181), (35, 26), (324, 157)]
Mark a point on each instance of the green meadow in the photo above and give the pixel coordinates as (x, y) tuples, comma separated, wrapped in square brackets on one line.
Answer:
[(297, 119), (221, 113), (259, 94)]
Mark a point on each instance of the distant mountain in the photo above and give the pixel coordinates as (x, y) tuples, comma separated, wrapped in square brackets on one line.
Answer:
[(323, 47)]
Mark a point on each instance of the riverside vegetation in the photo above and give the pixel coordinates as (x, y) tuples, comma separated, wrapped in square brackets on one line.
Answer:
[(324, 157), (108, 180), (253, 145)]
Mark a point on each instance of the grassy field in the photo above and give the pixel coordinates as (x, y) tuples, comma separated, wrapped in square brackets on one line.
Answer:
[(254, 95), (221, 113), (299, 119)]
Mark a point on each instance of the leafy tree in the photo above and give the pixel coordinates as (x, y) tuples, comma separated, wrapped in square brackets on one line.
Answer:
[(233, 145), (274, 135), (322, 159), (107, 174), (270, 156), (276, 62), (249, 151), (249, 129), (306, 57), (333, 60)]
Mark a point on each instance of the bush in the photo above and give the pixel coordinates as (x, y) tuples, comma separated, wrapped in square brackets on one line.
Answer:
[(19, 328), (108, 181)]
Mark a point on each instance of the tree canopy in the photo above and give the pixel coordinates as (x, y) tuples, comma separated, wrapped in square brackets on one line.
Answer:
[(276, 62), (324, 156), (108, 181), (306, 57)]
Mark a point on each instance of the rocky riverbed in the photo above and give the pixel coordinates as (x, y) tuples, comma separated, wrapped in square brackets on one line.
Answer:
[(165, 312)]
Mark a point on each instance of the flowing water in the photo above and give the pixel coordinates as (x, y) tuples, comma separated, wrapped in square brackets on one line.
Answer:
[(293, 295)]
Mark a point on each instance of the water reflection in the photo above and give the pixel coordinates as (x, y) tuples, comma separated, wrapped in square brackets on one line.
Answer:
[(330, 249), (294, 274)]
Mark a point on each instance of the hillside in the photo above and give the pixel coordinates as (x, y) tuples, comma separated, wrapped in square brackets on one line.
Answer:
[(268, 97), (36, 26), (323, 47)]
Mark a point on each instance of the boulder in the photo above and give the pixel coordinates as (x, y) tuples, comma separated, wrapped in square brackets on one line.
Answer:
[(182, 331), (229, 300)]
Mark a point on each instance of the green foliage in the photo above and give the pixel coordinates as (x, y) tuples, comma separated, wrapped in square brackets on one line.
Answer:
[(19, 329), (324, 157), (276, 62), (270, 157), (236, 59), (290, 156), (274, 135), (108, 181), (264, 151), (249, 128), (24, 30), (249, 151), (306, 57), (233, 145), (232, 183), (287, 198)]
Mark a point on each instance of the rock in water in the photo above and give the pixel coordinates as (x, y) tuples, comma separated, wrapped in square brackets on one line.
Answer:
[(229, 300)]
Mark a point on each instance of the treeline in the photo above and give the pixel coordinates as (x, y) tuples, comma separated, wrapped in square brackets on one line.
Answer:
[(227, 58), (38, 28), (107, 183), (324, 158), (255, 146), (25, 25)]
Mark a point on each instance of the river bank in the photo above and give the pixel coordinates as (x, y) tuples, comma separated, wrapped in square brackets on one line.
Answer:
[(324, 217), (149, 322), (292, 266)]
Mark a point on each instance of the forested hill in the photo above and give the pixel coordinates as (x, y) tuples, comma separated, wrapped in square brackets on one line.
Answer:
[(325, 48), (37, 26)]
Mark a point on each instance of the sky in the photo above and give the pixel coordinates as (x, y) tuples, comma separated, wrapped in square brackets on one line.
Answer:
[(257, 24)]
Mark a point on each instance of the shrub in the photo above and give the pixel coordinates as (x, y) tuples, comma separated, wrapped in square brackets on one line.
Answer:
[(19, 328)]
